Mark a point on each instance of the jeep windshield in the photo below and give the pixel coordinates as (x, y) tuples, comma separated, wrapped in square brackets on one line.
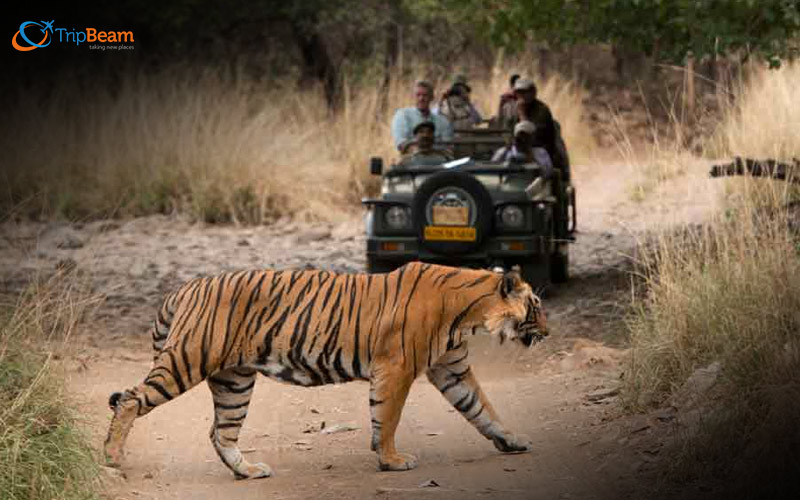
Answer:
[(496, 177), (471, 166)]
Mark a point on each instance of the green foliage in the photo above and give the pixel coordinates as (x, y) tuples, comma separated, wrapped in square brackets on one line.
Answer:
[(668, 29), (240, 26), (245, 205), (43, 452)]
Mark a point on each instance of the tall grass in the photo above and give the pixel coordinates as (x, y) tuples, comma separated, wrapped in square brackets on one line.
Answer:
[(43, 452), (729, 291), (763, 119), (215, 145), (662, 150)]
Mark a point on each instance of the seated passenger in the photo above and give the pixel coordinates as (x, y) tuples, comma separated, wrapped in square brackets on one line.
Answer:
[(548, 133), (421, 151), (523, 149), (456, 106), (507, 104), (406, 119)]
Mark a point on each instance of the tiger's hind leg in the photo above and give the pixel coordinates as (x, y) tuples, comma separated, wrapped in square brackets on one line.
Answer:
[(232, 390), (451, 374), (164, 383)]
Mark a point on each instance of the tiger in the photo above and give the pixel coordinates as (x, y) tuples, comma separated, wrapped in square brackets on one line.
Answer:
[(313, 327)]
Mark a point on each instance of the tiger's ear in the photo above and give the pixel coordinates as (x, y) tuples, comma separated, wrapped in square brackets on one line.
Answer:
[(510, 283)]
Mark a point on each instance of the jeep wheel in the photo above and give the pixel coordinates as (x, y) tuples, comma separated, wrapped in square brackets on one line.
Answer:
[(535, 271), (459, 189), (375, 266), (559, 267)]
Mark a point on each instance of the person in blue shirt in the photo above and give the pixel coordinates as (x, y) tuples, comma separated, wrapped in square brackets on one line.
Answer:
[(406, 119)]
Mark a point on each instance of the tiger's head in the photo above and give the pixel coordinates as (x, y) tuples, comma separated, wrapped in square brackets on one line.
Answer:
[(518, 315)]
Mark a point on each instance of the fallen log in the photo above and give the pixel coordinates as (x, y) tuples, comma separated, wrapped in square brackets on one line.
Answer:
[(759, 168)]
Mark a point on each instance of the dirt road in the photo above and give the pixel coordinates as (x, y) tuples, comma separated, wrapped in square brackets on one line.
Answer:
[(560, 393)]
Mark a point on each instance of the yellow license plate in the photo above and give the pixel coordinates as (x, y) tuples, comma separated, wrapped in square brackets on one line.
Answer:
[(445, 233), (450, 216)]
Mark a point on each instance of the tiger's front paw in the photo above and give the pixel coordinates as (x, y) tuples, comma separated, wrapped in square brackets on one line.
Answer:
[(253, 471), (398, 461), (509, 443)]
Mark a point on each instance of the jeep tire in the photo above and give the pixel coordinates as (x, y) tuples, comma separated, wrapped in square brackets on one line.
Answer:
[(376, 265), (484, 209), (535, 271), (559, 267)]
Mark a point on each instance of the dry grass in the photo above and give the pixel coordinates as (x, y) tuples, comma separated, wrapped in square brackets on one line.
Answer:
[(43, 452), (763, 120), (729, 291), (214, 145), (663, 154)]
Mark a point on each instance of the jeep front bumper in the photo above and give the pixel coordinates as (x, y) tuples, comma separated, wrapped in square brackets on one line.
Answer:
[(404, 249)]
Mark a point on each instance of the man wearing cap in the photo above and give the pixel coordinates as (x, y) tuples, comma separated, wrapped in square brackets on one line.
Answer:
[(508, 98), (523, 149), (456, 106), (422, 151), (406, 119), (528, 107)]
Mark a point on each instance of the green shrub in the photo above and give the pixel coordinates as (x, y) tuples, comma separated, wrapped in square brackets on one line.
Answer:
[(44, 454)]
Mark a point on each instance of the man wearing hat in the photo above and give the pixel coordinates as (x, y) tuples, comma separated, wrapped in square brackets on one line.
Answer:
[(528, 107), (456, 106), (406, 119), (523, 149), (508, 97), (422, 151)]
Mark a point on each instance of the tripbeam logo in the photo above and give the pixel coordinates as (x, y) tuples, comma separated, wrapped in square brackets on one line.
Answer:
[(25, 38), (45, 28)]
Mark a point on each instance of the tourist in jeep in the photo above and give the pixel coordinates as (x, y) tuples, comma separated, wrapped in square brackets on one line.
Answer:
[(421, 151), (456, 106), (528, 107), (523, 150), (507, 105), (406, 119)]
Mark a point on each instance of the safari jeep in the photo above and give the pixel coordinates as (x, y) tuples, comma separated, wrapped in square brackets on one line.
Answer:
[(472, 212)]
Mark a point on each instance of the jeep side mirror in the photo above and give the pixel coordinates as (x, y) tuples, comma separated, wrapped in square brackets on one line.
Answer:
[(376, 165)]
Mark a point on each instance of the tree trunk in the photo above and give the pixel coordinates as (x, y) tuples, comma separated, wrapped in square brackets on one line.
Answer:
[(653, 65), (317, 63), (689, 97), (392, 50), (545, 58)]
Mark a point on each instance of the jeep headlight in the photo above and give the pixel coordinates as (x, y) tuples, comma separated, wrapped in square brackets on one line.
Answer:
[(397, 217), (512, 216)]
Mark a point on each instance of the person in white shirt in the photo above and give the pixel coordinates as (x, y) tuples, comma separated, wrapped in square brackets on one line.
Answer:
[(406, 119)]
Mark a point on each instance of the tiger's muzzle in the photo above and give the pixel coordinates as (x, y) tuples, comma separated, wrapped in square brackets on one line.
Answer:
[(533, 329), (530, 335)]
